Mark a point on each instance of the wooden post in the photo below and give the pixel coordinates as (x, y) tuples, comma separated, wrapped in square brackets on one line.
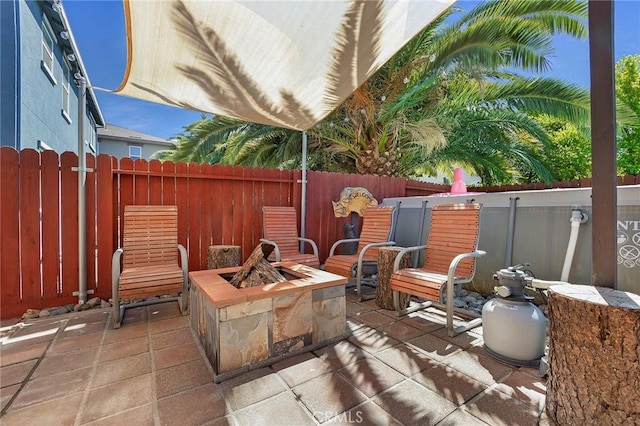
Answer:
[(384, 295), (223, 257), (594, 356)]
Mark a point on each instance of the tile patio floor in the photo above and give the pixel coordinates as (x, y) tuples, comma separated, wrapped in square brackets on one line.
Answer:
[(75, 369)]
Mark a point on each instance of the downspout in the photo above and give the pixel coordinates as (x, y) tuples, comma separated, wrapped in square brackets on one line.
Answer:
[(82, 173), (303, 196), (510, 230)]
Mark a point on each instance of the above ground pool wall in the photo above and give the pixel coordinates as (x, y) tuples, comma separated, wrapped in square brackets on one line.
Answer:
[(541, 232)]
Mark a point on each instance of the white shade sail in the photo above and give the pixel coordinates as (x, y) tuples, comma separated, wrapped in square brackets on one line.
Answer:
[(283, 63)]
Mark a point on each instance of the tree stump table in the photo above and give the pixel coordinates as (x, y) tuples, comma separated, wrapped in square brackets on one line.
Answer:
[(384, 295), (594, 356), (222, 256)]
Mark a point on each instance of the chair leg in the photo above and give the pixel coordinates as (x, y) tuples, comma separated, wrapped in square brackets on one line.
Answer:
[(184, 302), (408, 310), (117, 320)]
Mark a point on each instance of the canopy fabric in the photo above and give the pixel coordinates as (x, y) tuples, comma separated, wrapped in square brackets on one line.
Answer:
[(282, 63)]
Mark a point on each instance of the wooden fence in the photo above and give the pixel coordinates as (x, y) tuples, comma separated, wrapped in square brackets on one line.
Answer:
[(216, 205)]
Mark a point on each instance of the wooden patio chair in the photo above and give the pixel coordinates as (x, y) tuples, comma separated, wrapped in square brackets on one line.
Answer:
[(450, 261), (378, 225), (280, 229), (149, 259)]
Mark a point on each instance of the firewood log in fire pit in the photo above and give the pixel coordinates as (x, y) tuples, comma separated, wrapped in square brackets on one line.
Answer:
[(257, 270)]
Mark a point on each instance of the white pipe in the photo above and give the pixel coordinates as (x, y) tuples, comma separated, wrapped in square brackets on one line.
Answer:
[(577, 218)]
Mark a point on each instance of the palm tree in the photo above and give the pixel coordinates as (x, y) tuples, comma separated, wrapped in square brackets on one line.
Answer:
[(450, 95)]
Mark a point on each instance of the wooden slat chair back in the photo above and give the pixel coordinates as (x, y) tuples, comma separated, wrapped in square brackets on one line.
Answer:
[(149, 254), (280, 229), (450, 257), (378, 225)]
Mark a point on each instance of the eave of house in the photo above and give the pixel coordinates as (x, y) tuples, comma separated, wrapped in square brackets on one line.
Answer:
[(54, 11)]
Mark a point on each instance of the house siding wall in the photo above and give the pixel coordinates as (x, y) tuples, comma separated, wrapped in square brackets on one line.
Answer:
[(120, 149), (31, 108), (9, 72)]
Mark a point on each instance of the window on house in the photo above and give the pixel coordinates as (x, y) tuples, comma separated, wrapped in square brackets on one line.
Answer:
[(42, 146), (47, 48), (92, 134), (66, 91), (135, 152)]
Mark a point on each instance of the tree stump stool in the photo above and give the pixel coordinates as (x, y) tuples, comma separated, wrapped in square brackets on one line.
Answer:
[(594, 356), (222, 256), (384, 295)]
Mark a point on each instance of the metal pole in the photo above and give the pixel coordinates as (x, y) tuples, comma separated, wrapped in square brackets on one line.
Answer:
[(82, 175), (510, 231), (303, 201)]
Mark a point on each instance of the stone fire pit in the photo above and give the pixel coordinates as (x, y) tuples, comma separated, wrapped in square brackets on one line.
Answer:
[(243, 329)]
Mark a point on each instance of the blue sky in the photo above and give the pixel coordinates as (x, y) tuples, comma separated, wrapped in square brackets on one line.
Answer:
[(98, 28)]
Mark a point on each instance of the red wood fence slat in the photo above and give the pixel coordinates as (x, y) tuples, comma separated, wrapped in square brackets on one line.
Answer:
[(155, 183), (90, 217), (195, 195), (29, 177), (69, 222), (168, 183), (182, 201), (226, 199), (126, 193), (9, 234), (216, 205), (206, 212), (251, 232), (239, 209), (50, 181), (141, 182), (106, 243)]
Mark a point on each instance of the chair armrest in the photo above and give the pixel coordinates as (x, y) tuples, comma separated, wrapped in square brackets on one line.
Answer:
[(313, 245), (337, 243), (184, 263), (115, 266), (396, 263), (459, 258), (371, 245), (276, 250)]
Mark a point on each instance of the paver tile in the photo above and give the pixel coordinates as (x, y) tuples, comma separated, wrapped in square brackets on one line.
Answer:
[(118, 397), (498, 409), (195, 406), (405, 359), (340, 354), (182, 377), (478, 366), (53, 387), (300, 368), (251, 387), (16, 373), (371, 376), (121, 369), (175, 355), (118, 350), (54, 364), (451, 384), (57, 411), (278, 410), (412, 404), (328, 395)]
